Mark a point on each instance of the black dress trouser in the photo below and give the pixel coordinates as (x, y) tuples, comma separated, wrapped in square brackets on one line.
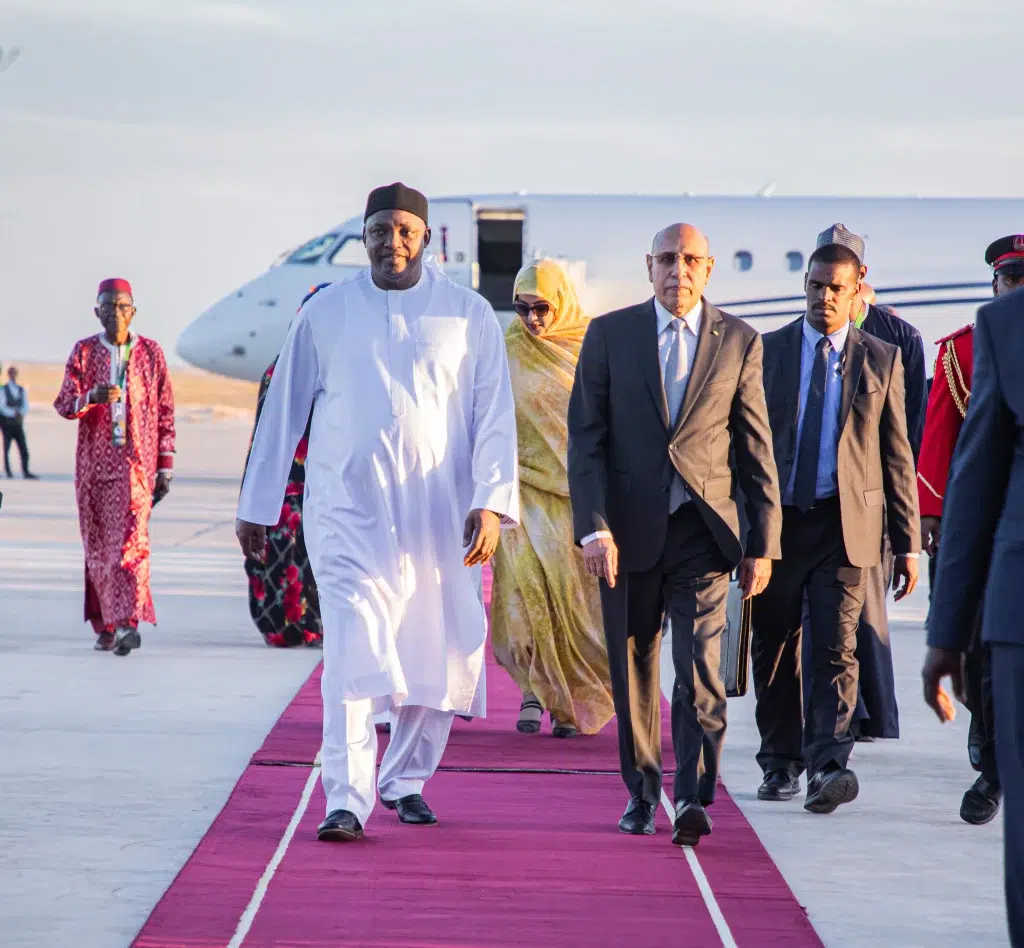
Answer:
[(690, 581), (814, 563), (14, 432), (1008, 692)]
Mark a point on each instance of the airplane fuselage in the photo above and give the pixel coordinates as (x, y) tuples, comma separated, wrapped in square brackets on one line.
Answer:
[(925, 258)]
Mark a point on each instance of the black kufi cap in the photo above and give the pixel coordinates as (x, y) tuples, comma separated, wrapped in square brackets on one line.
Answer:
[(396, 197)]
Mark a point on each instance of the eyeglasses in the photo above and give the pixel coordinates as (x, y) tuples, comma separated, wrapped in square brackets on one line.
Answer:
[(524, 309), (108, 309), (671, 258)]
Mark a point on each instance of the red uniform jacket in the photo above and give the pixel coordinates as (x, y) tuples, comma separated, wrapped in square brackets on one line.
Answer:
[(947, 406)]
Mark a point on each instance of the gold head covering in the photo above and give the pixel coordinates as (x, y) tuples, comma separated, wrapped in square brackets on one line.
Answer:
[(550, 282), (545, 609)]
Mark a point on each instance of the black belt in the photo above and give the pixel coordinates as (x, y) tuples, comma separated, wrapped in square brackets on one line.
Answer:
[(823, 504)]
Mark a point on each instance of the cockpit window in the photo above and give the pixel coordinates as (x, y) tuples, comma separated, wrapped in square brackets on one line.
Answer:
[(350, 253), (312, 251)]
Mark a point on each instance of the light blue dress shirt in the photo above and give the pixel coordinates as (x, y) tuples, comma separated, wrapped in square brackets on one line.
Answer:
[(828, 447)]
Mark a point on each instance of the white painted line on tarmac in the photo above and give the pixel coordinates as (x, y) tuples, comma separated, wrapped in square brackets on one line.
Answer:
[(722, 926), (249, 915)]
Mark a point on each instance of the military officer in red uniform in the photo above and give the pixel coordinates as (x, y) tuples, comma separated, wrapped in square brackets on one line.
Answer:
[(947, 407)]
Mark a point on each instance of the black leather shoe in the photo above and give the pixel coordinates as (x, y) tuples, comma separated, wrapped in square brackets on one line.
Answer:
[(638, 820), (341, 826), (981, 802), (830, 788), (778, 785), (412, 809), (691, 823), (125, 640), (975, 742), (104, 642)]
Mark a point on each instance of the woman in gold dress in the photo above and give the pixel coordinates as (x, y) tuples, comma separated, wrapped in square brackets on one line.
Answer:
[(546, 610)]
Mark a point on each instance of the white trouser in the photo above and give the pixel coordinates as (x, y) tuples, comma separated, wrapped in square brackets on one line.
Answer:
[(349, 755)]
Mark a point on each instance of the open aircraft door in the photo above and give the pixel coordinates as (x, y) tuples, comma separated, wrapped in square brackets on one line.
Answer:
[(453, 238)]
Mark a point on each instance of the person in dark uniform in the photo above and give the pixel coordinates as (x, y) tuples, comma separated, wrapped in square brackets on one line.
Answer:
[(980, 558), (877, 712), (947, 408)]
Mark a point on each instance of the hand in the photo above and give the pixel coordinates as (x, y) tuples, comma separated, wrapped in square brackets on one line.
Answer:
[(163, 485), (753, 574), (930, 535), (480, 534), (105, 394), (938, 663), (601, 558), (252, 538), (904, 568)]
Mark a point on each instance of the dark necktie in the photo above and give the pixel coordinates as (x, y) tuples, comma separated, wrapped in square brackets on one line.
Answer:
[(806, 482)]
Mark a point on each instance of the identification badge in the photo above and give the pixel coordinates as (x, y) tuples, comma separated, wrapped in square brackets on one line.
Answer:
[(119, 428)]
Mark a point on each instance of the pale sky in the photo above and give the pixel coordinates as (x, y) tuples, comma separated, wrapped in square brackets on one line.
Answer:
[(184, 144)]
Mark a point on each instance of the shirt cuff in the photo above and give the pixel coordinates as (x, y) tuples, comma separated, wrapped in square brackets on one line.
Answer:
[(599, 535), (165, 464), (909, 556)]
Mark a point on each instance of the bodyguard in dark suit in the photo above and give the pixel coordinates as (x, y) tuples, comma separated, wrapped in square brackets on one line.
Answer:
[(877, 711), (666, 420), (981, 558), (836, 405)]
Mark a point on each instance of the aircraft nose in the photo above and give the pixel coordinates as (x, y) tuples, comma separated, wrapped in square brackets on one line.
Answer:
[(195, 344)]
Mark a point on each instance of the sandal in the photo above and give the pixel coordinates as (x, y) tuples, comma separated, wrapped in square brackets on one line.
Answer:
[(561, 729), (530, 715)]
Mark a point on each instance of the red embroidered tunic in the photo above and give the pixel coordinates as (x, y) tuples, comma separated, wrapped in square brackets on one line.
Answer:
[(947, 406), (114, 485)]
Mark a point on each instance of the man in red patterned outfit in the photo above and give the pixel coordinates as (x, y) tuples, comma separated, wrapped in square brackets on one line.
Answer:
[(947, 407), (116, 385)]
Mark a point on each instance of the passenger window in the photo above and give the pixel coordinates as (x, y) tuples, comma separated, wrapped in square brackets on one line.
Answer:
[(350, 253), (794, 261), (312, 251), (743, 260)]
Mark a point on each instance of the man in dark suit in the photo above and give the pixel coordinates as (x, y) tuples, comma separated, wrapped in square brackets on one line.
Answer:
[(981, 559), (877, 711), (836, 405), (666, 420)]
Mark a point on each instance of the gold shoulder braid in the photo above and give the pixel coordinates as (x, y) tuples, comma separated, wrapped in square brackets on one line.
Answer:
[(954, 375)]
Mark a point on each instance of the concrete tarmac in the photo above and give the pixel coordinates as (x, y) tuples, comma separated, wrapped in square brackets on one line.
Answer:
[(112, 769)]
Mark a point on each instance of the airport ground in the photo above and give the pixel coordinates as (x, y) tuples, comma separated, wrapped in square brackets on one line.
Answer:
[(111, 770)]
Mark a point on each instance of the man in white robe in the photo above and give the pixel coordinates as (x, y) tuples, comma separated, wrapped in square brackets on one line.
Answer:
[(412, 460)]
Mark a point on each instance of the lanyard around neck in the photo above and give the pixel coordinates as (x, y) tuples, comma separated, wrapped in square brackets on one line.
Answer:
[(123, 354)]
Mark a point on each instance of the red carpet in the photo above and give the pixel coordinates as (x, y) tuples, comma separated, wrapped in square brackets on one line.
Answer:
[(524, 858)]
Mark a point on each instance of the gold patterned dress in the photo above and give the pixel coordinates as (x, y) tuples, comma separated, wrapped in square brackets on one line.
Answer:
[(546, 609)]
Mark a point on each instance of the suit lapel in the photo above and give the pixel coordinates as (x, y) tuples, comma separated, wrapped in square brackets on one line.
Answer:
[(789, 370), (854, 354), (647, 354), (709, 341)]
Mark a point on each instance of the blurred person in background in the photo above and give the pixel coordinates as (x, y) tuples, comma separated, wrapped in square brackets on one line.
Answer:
[(283, 600), (13, 408)]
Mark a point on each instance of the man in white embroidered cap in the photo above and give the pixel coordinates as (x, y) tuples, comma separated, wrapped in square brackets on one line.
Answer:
[(411, 472)]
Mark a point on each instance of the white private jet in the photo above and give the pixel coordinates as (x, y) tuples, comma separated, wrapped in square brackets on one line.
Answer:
[(925, 258)]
